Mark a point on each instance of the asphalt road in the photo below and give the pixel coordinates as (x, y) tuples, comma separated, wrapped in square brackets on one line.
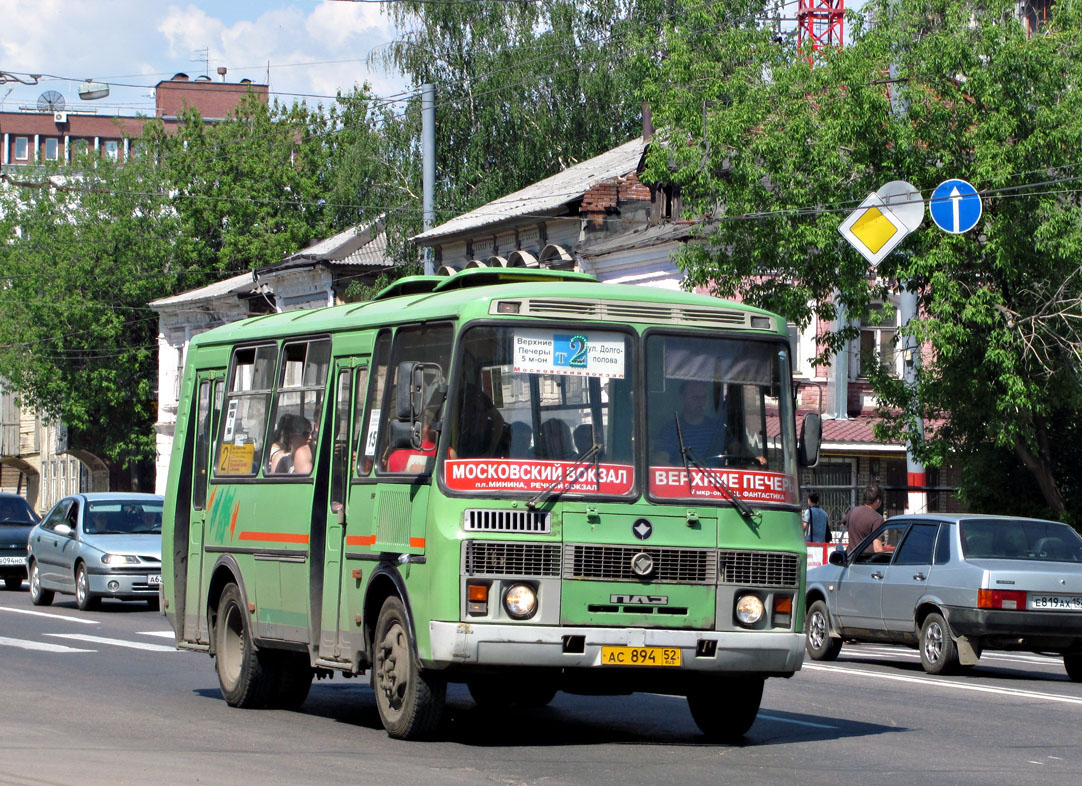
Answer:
[(103, 698)]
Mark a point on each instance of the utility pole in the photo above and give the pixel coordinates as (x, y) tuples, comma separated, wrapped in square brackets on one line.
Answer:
[(428, 165)]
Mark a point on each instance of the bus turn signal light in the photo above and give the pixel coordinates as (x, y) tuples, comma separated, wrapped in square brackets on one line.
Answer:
[(1001, 599), (477, 599)]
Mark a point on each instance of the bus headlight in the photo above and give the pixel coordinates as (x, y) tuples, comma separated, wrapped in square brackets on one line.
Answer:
[(520, 600), (749, 609)]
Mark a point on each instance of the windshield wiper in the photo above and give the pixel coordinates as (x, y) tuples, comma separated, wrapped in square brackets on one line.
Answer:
[(567, 477), (745, 511)]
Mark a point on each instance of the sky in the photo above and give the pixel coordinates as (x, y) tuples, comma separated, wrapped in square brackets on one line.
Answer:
[(313, 47)]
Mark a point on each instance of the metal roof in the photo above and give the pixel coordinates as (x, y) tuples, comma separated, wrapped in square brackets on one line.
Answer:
[(545, 195)]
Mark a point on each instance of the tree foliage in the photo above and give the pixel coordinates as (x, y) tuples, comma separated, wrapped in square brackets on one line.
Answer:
[(777, 151)]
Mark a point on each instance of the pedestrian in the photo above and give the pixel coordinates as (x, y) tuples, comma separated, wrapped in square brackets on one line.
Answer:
[(816, 521), (864, 519)]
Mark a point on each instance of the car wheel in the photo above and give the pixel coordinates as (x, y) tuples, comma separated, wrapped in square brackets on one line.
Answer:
[(38, 596), (499, 693), (938, 654), (1072, 661), (724, 709), (84, 598), (246, 675), (13, 582), (820, 644), (410, 701), (293, 674)]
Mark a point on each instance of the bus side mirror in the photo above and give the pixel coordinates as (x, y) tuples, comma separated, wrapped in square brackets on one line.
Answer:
[(811, 436), (407, 405)]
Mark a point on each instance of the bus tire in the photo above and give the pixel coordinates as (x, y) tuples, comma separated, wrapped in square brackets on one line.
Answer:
[(410, 701), (294, 680), (724, 709), (246, 675)]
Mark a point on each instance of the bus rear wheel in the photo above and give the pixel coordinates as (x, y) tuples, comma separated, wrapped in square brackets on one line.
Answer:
[(724, 709), (246, 675), (410, 701)]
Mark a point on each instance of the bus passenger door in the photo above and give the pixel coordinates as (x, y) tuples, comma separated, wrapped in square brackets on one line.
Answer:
[(209, 385), (335, 638)]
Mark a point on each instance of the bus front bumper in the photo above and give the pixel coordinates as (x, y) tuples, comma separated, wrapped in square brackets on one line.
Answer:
[(761, 652)]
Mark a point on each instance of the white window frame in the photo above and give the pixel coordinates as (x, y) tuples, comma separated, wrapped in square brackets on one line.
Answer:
[(881, 340), (25, 140), (55, 144), (112, 149)]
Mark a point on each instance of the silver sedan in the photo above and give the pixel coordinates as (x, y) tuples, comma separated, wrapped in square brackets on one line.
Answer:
[(95, 546), (953, 586)]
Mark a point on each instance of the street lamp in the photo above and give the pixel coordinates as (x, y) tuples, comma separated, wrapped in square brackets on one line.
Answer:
[(91, 91)]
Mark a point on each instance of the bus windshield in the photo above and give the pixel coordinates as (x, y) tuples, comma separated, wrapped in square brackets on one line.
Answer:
[(719, 414), (540, 407)]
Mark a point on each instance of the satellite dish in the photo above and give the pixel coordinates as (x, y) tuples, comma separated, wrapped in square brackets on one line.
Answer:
[(50, 101)]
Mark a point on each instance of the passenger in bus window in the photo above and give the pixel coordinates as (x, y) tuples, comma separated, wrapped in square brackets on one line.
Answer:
[(279, 448), (413, 460), (300, 444), (703, 433)]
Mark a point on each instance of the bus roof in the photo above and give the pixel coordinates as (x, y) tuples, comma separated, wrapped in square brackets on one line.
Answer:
[(575, 297)]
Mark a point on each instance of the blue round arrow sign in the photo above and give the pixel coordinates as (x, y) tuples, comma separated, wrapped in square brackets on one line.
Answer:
[(955, 206)]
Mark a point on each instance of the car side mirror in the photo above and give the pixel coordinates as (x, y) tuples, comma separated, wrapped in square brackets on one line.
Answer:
[(811, 437), (837, 557), (64, 531)]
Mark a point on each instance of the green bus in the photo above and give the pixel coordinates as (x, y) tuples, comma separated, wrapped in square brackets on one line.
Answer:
[(521, 480)]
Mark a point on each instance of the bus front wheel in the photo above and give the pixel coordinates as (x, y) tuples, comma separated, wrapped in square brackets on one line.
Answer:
[(724, 709), (410, 701), (246, 675)]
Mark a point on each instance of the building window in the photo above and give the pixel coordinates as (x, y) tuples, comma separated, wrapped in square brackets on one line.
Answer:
[(1036, 12), (112, 148), (52, 149), (22, 148), (878, 340), (81, 146)]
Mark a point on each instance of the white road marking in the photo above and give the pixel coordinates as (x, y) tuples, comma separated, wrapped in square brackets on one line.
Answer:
[(797, 722), (940, 683), (38, 645), (865, 651), (162, 634), (50, 615), (135, 645)]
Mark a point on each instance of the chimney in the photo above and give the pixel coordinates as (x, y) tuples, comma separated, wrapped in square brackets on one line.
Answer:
[(221, 73), (647, 122)]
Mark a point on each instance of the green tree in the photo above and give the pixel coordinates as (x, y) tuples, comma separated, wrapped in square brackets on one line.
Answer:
[(523, 89), (775, 151), (81, 258)]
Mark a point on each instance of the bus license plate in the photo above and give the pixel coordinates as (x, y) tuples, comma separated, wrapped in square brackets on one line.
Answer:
[(1056, 602), (640, 656)]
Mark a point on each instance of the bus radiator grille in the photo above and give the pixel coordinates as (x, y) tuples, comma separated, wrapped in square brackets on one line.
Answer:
[(479, 520), (760, 568), (489, 558), (613, 563)]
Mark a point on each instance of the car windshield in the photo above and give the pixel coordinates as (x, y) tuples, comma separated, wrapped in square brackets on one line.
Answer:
[(1047, 541), (123, 517), (532, 401), (15, 510), (719, 415)]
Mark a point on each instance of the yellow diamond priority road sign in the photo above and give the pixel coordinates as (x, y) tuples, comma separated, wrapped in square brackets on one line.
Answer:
[(873, 229)]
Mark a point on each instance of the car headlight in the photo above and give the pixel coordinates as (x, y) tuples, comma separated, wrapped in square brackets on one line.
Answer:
[(119, 559), (520, 600), (749, 609)]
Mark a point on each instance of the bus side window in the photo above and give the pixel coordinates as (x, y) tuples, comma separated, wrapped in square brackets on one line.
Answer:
[(427, 344), (366, 427), (251, 378), (298, 405)]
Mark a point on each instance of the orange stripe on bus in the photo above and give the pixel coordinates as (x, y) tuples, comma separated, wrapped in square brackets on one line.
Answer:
[(233, 521), (360, 540), (274, 537), (210, 502), (417, 543)]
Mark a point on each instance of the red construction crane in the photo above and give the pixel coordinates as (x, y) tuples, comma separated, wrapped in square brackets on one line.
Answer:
[(821, 23)]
